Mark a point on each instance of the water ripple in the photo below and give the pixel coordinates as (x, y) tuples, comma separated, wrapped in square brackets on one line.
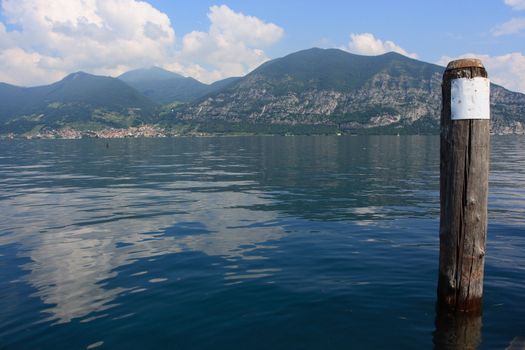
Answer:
[(292, 235)]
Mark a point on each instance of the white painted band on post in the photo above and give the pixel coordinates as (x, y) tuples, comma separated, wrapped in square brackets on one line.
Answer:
[(470, 98)]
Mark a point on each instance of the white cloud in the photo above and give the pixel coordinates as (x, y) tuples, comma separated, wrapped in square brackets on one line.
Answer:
[(19, 66), (53, 38), (232, 46), (6, 40), (512, 26), (62, 36), (505, 70), (368, 44), (516, 4)]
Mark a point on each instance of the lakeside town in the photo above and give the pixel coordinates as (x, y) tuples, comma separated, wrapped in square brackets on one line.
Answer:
[(113, 133), (154, 131)]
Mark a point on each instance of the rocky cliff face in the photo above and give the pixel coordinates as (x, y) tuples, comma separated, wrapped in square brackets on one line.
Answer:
[(389, 93), (507, 111)]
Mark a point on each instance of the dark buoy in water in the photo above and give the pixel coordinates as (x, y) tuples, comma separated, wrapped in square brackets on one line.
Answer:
[(107, 144)]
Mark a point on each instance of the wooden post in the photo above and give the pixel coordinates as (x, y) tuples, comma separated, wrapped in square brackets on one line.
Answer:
[(464, 170)]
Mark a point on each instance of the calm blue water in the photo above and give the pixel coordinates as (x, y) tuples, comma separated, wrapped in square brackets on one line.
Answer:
[(242, 243)]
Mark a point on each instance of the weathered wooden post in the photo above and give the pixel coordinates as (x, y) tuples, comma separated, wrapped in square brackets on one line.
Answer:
[(465, 142)]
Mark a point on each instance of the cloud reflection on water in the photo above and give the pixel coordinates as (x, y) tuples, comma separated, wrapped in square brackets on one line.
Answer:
[(70, 262), (89, 209)]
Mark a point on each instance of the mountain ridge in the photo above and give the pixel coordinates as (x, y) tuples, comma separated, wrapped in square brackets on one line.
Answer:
[(150, 73), (331, 90), (166, 87), (309, 91), (79, 99)]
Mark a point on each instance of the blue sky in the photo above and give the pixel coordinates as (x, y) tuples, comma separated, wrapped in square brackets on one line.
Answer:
[(42, 40), (432, 29)]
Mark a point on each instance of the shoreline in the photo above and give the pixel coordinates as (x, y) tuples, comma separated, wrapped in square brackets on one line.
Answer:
[(153, 131)]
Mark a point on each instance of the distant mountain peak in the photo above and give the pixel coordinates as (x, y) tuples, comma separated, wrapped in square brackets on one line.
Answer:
[(163, 86), (77, 75), (157, 69), (148, 74)]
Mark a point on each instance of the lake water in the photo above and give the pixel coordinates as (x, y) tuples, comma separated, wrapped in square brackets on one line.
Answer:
[(243, 243)]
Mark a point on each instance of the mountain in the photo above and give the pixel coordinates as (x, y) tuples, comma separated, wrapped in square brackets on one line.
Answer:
[(79, 100), (330, 90), (165, 87), (12, 98), (310, 91), (221, 84), (148, 74)]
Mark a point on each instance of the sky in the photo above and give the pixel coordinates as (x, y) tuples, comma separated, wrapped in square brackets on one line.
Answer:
[(41, 41)]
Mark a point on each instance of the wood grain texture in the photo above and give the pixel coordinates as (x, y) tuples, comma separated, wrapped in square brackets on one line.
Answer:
[(464, 169)]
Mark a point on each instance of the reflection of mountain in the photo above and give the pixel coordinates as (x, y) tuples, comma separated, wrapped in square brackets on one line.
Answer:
[(356, 177)]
